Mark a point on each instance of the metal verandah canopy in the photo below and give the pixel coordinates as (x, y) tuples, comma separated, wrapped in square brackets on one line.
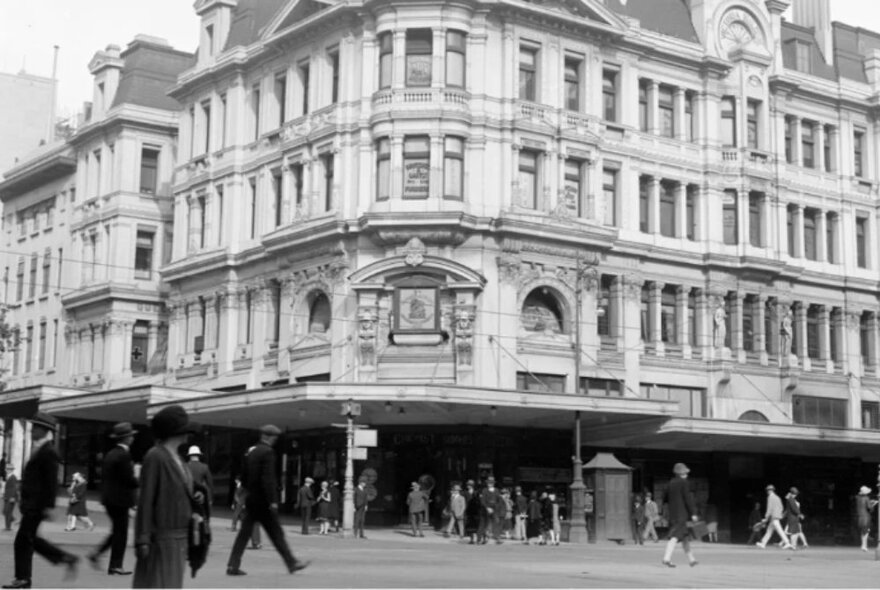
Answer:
[(25, 402), (117, 405), (308, 406)]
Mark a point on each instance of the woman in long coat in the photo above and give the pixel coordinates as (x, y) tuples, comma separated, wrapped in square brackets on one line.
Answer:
[(76, 508), (164, 506), (324, 509)]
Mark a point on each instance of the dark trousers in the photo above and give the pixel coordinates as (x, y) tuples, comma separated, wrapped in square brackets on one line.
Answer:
[(489, 524), (27, 542), (118, 537), (269, 520), (306, 514), (8, 510), (360, 516)]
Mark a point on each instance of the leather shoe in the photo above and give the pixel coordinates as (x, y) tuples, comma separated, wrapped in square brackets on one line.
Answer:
[(297, 565), (117, 571), (668, 563), (234, 571), (18, 583)]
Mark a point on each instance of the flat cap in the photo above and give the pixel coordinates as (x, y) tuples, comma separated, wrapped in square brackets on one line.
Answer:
[(770, 487), (270, 430), (45, 420), (680, 468)]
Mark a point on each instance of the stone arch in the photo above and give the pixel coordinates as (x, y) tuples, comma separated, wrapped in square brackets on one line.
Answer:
[(302, 307), (320, 312), (753, 416), (543, 299)]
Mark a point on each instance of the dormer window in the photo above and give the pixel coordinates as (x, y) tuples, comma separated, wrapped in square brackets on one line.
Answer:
[(209, 40), (803, 56)]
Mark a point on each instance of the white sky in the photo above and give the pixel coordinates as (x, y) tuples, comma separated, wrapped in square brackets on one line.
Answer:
[(29, 29)]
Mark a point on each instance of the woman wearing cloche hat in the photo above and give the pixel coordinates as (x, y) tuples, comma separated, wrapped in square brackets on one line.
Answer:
[(864, 505)]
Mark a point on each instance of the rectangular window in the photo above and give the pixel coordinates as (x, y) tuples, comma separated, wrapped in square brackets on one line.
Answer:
[(756, 219), (609, 190), (47, 270), (16, 351), (221, 119), (32, 286), (666, 110), (814, 351), (55, 339), (644, 112), (819, 411), (750, 303), (60, 264), (304, 71), (865, 338), (140, 339), (753, 112), (255, 111), (790, 122), (149, 170), (277, 316), (218, 196), (540, 382), (689, 121), (871, 415), (791, 219), (327, 161), (859, 152), (574, 183), (802, 55), (386, 59), (604, 306), (834, 334), (862, 242), (249, 316), (645, 312), (692, 317), (808, 144), (644, 203), (419, 43), (277, 195), (456, 49), (296, 173), (691, 212), (209, 40), (252, 198), (206, 127), (528, 73), (826, 147), (609, 94), (41, 349), (383, 169), (572, 83), (730, 218), (728, 121), (29, 349), (810, 223), (143, 255), (281, 98), (668, 315), (334, 75), (528, 179), (831, 238), (453, 168), (416, 166), (691, 401), (668, 225), (601, 387)]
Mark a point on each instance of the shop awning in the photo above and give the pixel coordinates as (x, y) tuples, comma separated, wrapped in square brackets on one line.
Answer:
[(308, 406), (25, 402), (117, 405), (735, 436)]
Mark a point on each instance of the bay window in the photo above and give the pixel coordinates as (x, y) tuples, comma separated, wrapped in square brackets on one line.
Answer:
[(453, 168), (455, 58), (419, 46)]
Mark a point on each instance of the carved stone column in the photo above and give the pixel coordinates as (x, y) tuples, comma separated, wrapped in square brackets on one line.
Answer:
[(632, 317)]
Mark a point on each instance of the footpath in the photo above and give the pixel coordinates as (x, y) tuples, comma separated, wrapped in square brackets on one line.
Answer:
[(392, 558)]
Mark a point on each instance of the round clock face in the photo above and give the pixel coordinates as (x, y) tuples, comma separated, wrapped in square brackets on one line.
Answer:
[(738, 28)]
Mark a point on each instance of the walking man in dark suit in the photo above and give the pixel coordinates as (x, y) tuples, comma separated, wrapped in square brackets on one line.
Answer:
[(39, 486), (118, 497), (681, 509), (201, 474), (360, 508), (10, 496), (261, 481), (305, 499)]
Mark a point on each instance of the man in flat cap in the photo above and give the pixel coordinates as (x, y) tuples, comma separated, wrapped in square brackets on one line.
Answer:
[(39, 486), (681, 509), (772, 518), (261, 481), (305, 499), (118, 497)]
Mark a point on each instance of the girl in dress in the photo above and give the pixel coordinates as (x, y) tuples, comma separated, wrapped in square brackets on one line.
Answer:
[(76, 509), (324, 508)]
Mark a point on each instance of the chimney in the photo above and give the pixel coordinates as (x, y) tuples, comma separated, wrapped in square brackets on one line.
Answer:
[(816, 14)]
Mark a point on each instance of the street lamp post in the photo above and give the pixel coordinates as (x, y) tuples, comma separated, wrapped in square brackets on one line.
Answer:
[(877, 549), (351, 410)]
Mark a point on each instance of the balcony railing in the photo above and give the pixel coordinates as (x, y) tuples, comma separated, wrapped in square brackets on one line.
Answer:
[(421, 97)]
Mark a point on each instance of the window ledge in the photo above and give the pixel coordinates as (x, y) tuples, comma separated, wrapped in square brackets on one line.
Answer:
[(22, 238), (43, 297)]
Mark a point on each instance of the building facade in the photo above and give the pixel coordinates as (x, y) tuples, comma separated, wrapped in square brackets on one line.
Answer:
[(32, 98), (508, 229)]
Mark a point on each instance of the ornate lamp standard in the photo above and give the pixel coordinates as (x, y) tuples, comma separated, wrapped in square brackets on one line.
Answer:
[(350, 410)]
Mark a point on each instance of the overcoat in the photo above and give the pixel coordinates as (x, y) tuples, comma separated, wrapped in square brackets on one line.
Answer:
[(681, 507), (39, 481), (118, 477), (164, 510)]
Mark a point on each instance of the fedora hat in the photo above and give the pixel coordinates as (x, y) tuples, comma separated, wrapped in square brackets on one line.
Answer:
[(793, 491), (122, 430), (310, 480), (172, 421), (45, 420), (770, 488), (680, 468), (864, 491)]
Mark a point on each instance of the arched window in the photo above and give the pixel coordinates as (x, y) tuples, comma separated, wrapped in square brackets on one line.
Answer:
[(319, 313), (542, 312), (753, 416)]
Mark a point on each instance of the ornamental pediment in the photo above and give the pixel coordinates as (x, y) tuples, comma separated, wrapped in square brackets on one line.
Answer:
[(590, 10)]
